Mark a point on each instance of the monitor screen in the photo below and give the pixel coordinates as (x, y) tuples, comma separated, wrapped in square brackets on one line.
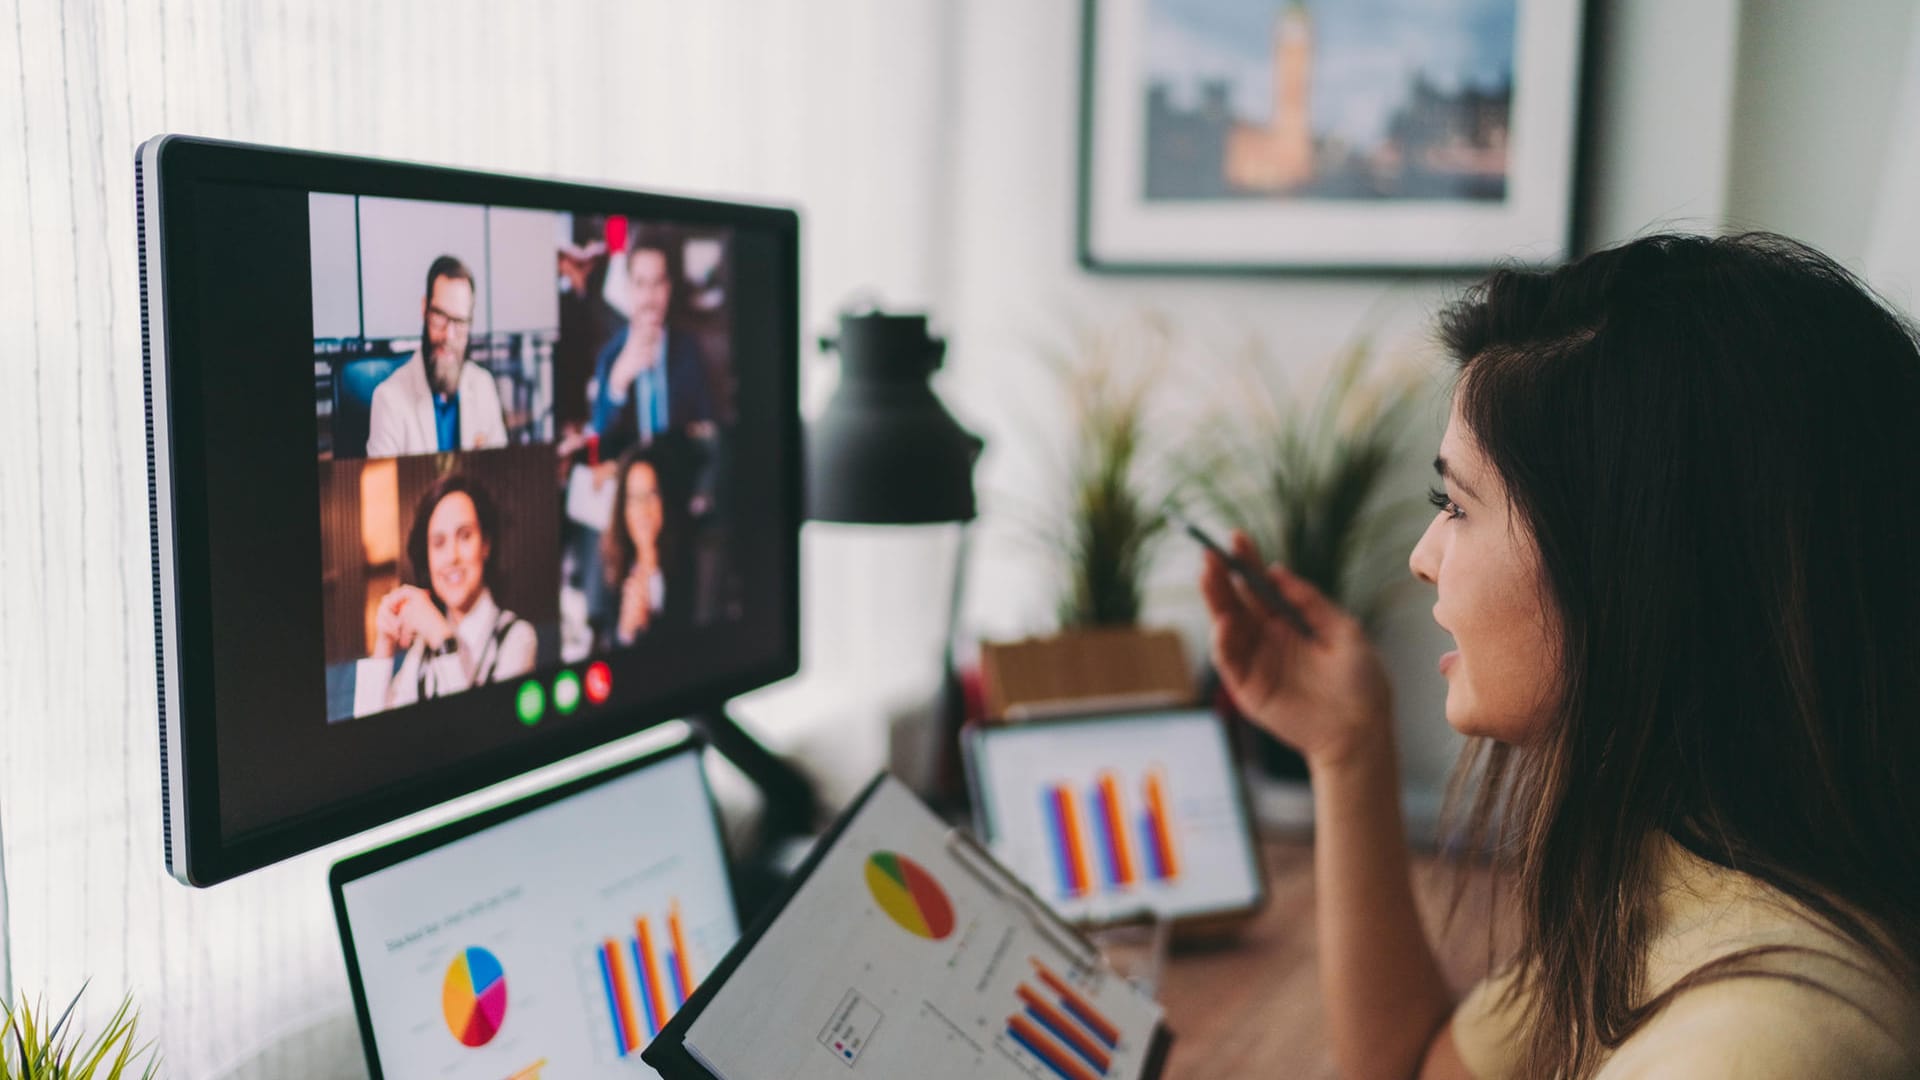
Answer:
[(1107, 817), (454, 474), (551, 937)]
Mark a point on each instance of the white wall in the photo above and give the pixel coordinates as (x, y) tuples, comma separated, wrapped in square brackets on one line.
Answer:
[(1660, 123), (1826, 147), (824, 104), (1818, 88)]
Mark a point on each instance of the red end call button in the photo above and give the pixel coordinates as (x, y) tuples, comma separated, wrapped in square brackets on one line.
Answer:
[(599, 682)]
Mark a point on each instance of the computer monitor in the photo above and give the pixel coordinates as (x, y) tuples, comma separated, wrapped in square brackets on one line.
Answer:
[(452, 475), (552, 936)]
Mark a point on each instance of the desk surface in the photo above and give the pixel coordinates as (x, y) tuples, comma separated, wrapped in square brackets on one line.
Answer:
[(1251, 1007)]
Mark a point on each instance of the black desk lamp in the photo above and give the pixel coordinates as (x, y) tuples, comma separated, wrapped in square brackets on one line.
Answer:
[(886, 452)]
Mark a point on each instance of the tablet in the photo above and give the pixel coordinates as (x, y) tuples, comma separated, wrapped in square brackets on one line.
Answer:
[(902, 949), (1114, 815), (555, 935)]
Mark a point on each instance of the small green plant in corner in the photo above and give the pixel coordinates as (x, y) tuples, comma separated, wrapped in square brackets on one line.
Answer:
[(32, 1049)]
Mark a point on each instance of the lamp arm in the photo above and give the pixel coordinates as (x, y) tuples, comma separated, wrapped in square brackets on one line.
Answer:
[(954, 601)]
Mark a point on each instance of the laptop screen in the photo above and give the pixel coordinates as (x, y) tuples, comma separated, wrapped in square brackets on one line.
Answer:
[(556, 940)]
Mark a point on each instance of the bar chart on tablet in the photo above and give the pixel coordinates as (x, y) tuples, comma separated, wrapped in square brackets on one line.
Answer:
[(1113, 818), (1108, 836)]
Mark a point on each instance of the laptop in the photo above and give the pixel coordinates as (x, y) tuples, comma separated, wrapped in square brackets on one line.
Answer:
[(552, 936)]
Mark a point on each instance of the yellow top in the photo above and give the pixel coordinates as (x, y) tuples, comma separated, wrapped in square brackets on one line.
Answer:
[(1758, 1027)]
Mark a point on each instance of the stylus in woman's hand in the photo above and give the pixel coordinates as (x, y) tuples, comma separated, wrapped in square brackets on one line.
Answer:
[(1253, 577)]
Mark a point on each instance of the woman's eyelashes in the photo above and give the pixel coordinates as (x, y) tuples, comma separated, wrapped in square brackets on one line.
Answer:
[(1444, 504)]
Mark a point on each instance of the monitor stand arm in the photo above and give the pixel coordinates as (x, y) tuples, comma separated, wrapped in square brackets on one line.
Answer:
[(791, 804), (789, 817)]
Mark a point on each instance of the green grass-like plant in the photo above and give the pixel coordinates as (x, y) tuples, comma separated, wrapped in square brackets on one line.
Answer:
[(31, 1049), (1116, 480), (1307, 478)]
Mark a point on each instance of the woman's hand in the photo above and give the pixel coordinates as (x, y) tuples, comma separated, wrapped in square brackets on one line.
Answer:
[(1327, 697), (388, 633), (636, 603), (411, 613)]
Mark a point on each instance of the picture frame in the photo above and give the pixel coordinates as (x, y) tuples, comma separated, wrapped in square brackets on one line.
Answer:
[(1397, 137)]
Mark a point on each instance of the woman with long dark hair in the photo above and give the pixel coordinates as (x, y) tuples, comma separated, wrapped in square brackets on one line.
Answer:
[(643, 553), (441, 632), (1677, 544)]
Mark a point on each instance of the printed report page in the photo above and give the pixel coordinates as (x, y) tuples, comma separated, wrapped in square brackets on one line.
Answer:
[(908, 952)]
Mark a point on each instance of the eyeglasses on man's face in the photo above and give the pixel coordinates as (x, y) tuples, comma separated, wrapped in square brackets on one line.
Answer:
[(440, 320)]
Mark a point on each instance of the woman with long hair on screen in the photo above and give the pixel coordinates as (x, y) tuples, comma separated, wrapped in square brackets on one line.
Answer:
[(1676, 546), (443, 625), (641, 552)]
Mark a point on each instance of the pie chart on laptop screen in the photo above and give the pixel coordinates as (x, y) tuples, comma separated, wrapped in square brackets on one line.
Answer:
[(474, 997), (909, 895)]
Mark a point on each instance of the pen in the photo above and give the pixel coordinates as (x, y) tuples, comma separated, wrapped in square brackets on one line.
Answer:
[(1252, 576)]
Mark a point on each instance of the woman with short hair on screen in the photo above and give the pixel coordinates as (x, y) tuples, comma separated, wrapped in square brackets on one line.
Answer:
[(444, 627), (1676, 547)]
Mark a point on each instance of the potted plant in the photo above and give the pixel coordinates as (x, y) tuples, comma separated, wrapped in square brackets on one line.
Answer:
[(1102, 531), (1306, 477), (32, 1049)]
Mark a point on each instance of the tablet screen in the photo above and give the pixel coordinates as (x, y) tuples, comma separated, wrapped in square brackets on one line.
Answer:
[(555, 942), (1109, 816)]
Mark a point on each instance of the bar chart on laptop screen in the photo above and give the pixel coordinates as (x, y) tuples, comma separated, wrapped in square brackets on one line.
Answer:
[(1124, 816), (639, 977)]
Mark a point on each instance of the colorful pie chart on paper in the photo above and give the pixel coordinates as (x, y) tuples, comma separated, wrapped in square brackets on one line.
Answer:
[(474, 997), (909, 895)]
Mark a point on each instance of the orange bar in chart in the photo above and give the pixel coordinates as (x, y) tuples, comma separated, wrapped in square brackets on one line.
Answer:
[(1080, 1007), (1066, 1029), (1164, 859), (1076, 849), (651, 974), (629, 1024), (682, 969), (1052, 1054), (1113, 821)]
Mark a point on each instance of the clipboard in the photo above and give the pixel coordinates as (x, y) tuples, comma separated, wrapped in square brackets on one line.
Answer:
[(900, 947)]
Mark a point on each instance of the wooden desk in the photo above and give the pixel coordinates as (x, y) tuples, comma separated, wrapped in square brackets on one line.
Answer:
[(1251, 1007)]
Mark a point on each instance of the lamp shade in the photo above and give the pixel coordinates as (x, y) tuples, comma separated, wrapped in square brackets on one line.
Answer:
[(886, 451)]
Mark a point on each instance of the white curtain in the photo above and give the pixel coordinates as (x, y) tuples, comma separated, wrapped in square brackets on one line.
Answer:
[(833, 106)]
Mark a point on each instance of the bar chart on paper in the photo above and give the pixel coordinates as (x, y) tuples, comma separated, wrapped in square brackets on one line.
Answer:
[(643, 975), (1109, 837), (1059, 1033)]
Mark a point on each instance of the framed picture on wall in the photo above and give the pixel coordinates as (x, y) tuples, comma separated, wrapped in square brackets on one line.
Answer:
[(1314, 135)]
